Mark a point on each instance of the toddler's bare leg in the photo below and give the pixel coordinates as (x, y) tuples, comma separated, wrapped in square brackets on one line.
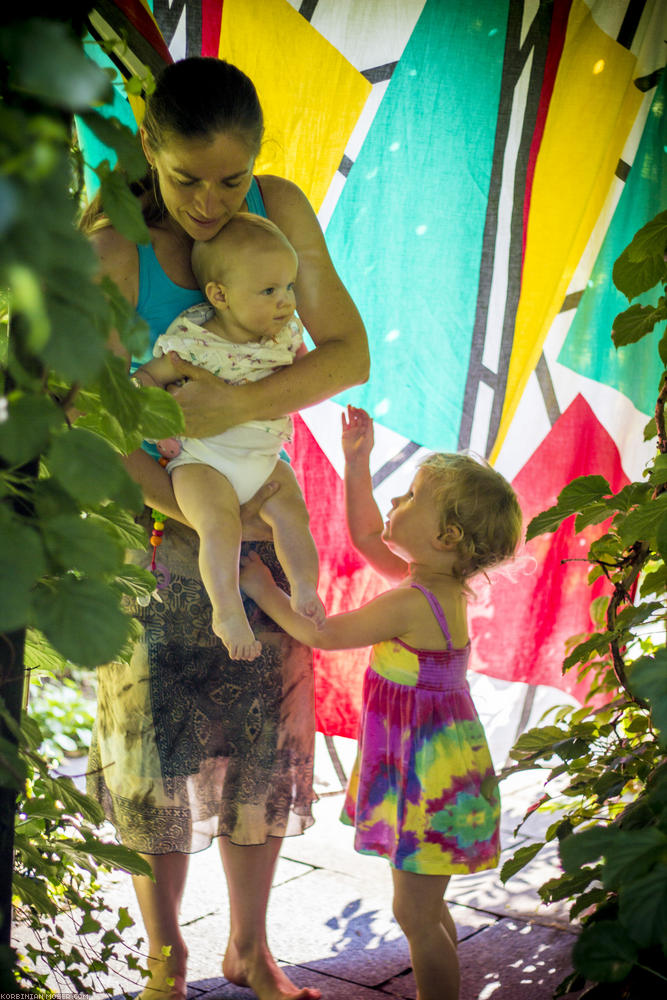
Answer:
[(418, 907), (210, 504), (286, 513)]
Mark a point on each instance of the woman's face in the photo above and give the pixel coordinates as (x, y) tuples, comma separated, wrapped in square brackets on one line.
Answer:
[(203, 181)]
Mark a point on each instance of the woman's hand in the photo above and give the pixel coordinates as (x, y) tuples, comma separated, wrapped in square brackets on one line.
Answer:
[(210, 406), (255, 577), (253, 527), (357, 437)]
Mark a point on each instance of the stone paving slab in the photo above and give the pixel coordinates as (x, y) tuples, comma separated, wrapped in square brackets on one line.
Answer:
[(508, 960), (332, 987)]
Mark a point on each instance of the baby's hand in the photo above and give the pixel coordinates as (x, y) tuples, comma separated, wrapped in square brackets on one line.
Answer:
[(357, 437), (254, 576)]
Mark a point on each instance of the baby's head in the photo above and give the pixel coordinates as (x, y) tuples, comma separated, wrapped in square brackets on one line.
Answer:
[(236, 248), (478, 507)]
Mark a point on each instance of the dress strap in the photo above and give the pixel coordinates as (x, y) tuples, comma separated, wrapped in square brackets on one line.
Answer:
[(436, 609)]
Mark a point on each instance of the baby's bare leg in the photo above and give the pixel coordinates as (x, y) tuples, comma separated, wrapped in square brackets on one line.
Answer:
[(210, 504), (286, 513), (418, 907)]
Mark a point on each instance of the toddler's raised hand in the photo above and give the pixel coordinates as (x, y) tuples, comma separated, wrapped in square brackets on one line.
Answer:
[(357, 436)]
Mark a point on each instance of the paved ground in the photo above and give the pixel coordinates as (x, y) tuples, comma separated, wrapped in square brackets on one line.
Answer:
[(330, 914)]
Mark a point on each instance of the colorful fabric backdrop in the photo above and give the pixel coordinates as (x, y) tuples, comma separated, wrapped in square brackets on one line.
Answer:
[(477, 168)]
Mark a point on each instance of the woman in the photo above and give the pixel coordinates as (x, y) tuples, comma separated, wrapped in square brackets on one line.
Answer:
[(189, 745)]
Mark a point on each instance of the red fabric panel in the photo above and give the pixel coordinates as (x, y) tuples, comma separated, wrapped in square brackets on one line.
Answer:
[(211, 19), (519, 628), (346, 582)]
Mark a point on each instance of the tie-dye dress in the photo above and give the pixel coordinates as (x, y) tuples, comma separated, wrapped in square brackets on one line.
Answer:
[(423, 792)]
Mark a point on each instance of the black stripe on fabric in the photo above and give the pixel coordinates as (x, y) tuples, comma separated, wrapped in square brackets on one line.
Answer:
[(622, 170), (136, 43), (571, 301), (628, 29), (378, 74), (345, 165), (547, 389), (307, 9), (513, 63), (168, 15), (395, 463)]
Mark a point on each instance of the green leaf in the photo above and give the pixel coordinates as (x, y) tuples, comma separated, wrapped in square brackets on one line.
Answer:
[(26, 432), (86, 466), (81, 544), (597, 644), (121, 525), (585, 847), (34, 893), (134, 580), (131, 328), (124, 919), (643, 907), (46, 62), (604, 952), (13, 769), (661, 537), (81, 619), (24, 562), (650, 240), (648, 680), (121, 206), (117, 393), (77, 347), (161, 415), (106, 426), (519, 860), (650, 430), (658, 470), (631, 855), (642, 522), (123, 140), (594, 513), (108, 854), (635, 323), (89, 925), (575, 498)]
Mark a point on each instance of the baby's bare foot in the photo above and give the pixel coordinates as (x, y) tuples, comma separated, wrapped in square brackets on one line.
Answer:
[(304, 601), (237, 636)]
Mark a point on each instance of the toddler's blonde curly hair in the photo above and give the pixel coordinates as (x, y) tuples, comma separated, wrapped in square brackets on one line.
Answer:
[(481, 504)]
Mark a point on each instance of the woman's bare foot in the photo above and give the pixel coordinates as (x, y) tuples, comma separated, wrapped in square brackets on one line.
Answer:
[(305, 601), (167, 981), (237, 636), (260, 972)]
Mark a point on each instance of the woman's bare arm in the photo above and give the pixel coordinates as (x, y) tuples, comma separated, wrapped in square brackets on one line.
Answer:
[(340, 359), (392, 614)]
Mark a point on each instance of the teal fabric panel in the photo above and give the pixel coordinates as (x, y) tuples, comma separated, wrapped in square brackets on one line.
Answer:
[(588, 348), (93, 150), (415, 196)]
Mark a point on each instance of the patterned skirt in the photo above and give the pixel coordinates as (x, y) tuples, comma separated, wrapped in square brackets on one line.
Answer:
[(189, 745)]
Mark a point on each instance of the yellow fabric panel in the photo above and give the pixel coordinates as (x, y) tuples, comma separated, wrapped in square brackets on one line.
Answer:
[(593, 106), (311, 95)]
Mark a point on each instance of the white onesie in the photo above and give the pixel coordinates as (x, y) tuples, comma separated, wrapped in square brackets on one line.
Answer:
[(245, 454)]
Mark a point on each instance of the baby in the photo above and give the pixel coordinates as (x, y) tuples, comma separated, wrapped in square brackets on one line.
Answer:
[(245, 331)]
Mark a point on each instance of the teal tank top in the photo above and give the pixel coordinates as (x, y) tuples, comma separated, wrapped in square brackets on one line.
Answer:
[(161, 300)]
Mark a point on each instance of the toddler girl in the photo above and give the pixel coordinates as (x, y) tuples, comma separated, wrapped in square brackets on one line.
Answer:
[(422, 791)]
